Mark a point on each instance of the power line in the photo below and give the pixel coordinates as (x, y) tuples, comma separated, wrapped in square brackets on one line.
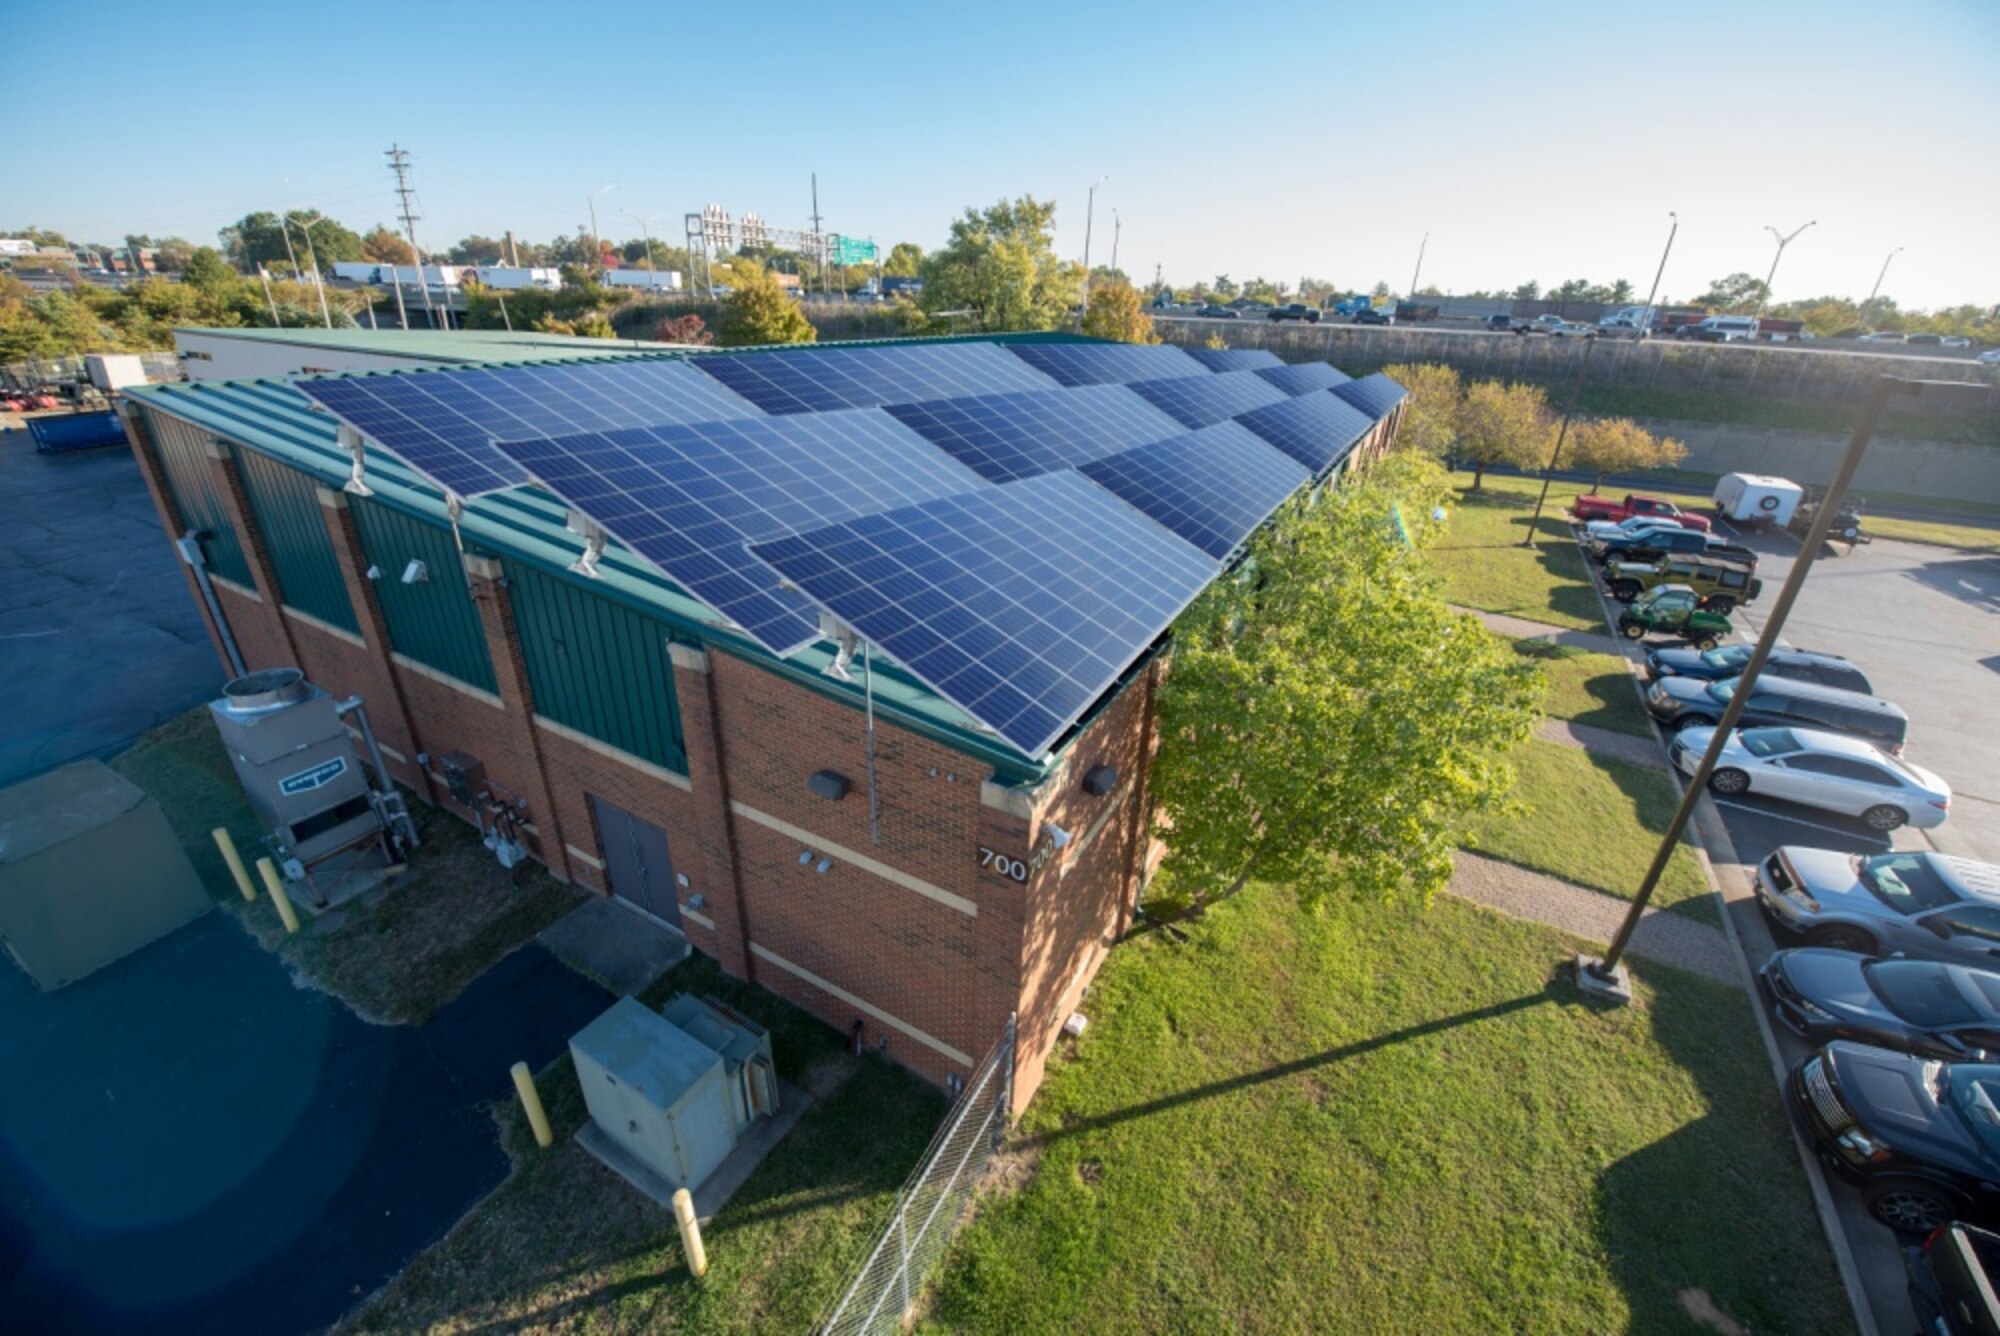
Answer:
[(399, 163)]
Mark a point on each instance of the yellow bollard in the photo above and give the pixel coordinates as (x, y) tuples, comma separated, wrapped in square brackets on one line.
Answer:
[(531, 1102), (269, 873), (235, 861), (690, 1232)]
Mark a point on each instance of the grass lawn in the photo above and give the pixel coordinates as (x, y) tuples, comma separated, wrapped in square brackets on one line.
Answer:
[(395, 955), (1594, 821), (1588, 688), (565, 1245), (1484, 565), (1367, 1120)]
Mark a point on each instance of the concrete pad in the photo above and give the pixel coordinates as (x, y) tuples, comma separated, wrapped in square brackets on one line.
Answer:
[(619, 947), (734, 1171)]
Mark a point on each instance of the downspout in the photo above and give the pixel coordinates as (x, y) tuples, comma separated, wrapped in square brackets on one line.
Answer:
[(189, 544), (384, 784)]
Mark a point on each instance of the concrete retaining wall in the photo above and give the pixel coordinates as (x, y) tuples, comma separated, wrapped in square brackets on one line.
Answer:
[(1913, 468)]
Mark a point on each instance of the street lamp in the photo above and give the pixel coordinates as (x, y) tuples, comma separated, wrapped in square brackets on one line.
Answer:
[(1089, 215), (1422, 246), (1783, 241), (597, 241), (1646, 320), (1605, 978), (645, 230), (1876, 291), (312, 259)]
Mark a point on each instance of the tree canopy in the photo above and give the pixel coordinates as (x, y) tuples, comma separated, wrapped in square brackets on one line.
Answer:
[(1738, 294), (1437, 397), (905, 260), (257, 241), (758, 310), (384, 247), (1297, 743), (1116, 312), (1618, 445), (1501, 422), (1000, 264)]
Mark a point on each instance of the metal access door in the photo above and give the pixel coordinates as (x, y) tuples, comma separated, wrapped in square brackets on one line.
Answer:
[(637, 864)]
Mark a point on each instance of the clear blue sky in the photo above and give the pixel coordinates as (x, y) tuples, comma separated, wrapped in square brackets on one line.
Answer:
[(1529, 140)]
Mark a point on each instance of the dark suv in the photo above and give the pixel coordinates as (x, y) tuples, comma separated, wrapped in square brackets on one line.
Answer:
[(1649, 545), (1953, 1275), (1800, 665), (1779, 702), (1297, 311)]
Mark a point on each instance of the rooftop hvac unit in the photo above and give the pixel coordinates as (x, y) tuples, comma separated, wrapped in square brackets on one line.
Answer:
[(674, 1090)]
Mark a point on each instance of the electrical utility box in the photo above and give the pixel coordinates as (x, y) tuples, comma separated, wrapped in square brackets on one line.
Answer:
[(674, 1091)]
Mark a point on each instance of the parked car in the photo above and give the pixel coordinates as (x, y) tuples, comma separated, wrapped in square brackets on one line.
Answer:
[(1618, 528), (1593, 507), (1879, 904), (1781, 702), (1920, 1138), (1373, 317), (1504, 323), (1218, 312), (1955, 341), (1925, 340), (1802, 665), (1954, 1275), (1881, 336), (1673, 610), (1815, 768), (1297, 311), (1991, 357), (1720, 329), (1553, 325), (1720, 585), (1652, 544), (1927, 1007)]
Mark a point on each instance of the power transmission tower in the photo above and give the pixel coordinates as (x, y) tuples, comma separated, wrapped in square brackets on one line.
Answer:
[(399, 163)]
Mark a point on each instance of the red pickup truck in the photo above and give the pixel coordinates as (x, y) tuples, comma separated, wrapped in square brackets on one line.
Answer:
[(1595, 507)]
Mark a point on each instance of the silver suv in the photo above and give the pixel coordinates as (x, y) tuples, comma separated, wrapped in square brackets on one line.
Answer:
[(1926, 905)]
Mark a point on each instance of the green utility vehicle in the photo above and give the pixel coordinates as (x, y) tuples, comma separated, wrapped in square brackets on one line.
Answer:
[(1721, 585), (1673, 610)]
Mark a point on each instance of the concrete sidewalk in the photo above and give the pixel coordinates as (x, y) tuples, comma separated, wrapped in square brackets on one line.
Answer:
[(1604, 741), (1520, 628)]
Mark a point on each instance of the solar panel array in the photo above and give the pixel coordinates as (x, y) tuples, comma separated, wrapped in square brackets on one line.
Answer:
[(1009, 436), (1198, 401), (444, 423), (1015, 523), (1020, 604), (1213, 487), (1304, 377), (687, 498)]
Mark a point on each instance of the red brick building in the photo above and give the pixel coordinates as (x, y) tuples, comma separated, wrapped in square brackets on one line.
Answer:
[(616, 713)]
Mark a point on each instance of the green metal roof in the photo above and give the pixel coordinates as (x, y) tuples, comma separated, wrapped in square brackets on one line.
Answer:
[(273, 418), (442, 346)]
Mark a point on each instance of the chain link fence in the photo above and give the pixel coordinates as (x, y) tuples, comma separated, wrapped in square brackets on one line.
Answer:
[(160, 367), (933, 1203)]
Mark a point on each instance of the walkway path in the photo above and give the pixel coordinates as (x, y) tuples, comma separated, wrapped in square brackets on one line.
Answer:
[(1520, 628), (1605, 742)]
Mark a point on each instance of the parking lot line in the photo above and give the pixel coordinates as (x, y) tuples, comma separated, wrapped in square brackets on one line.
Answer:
[(1801, 821)]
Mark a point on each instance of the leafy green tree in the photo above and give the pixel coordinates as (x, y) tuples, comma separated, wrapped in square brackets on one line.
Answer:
[(209, 272), (382, 246), (1000, 264), (1297, 745), (1620, 293), (476, 249), (905, 260), (759, 312), (1619, 445), (1224, 287), (1437, 396), (172, 254), (1528, 291), (1500, 422), (1737, 294), (1117, 313), (257, 240)]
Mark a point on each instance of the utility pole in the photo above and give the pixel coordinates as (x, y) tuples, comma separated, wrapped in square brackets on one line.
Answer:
[(1089, 217), (513, 256), (1117, 226), (597, 240), (819, 237), (1421, 247), (399, 163), (1783, 241), (1876, 291), (1659, 273)]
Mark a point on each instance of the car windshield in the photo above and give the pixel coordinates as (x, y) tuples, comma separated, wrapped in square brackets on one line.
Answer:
[(1729, 656), (1722, 690), (1973, 1091), (1768, 741), (1904, 882), (1921, 992)]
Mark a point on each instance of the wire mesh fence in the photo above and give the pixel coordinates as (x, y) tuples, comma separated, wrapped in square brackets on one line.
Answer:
[(933, 1203)]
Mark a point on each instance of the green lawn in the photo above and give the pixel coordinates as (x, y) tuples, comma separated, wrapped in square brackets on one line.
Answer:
[(1484, 565), (1588, 688), (1594, 821), (1366, 1120)]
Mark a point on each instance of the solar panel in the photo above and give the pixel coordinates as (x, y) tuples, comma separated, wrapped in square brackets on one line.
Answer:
[(821, 379), (1304, 377), (688, 497), (1212, 487), (1107, 363), (1009, 436), (1374, 395), (444, 423), (1316, 429), (1020, 604), (1234, 359), (1198, 401)]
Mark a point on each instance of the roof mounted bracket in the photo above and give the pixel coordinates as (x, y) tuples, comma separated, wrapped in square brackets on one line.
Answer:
[(846, 642), (593, 536), (350, 441)]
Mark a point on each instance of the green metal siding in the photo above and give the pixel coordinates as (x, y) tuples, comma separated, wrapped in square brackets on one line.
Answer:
[(289, 516), (597, 666), (433, 621), (191, 478)]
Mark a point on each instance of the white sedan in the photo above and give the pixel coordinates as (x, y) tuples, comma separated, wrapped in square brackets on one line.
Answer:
[(1825, 770)]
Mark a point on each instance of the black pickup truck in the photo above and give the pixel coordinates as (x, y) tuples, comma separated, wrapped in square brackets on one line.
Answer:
[(1649, 545), (1296, 311)]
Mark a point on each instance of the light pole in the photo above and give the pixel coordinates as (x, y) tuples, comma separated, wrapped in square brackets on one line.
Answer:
[(645, 230), (312, 259), (1422, 246), (597, 241), (1876, 291), (1783, 241), (1603, 978), (1117, 226), (1569, 411), (1089, 215), (1646, 320)]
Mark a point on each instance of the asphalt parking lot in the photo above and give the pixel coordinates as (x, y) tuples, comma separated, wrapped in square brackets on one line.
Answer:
[(1924, 622)]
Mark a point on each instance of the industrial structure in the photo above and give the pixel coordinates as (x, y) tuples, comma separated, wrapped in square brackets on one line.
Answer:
[(840, 660)]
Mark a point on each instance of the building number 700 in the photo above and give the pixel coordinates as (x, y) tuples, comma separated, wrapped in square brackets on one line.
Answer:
[(1011, 868)]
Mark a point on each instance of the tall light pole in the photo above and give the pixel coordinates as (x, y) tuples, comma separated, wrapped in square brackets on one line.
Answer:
[(1089, 215), (1422, 246), (1876, 291), (596, 240), (312, 259), (1117, 226), (1783, 241), (645, 230), (1646, 320)]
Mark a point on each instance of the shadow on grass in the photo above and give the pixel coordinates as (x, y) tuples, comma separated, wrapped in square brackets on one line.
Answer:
[(1654, 801)]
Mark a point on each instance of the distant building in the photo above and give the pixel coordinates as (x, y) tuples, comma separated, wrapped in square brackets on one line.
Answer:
[(17, 246)]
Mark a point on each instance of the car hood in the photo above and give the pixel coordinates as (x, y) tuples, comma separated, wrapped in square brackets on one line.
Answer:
[(1690, 691), (1678, 663), (1827, 875), (1892, 1093), (1833, 979)]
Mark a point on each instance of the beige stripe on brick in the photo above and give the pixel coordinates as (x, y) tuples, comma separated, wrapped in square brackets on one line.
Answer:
[(696, 916), (841, 854), (582, 857), (325, 627), (446, 679), (894, 1023), (623, 757)]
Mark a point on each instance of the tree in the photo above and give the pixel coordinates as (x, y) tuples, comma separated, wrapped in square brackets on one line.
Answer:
[(1735, 295), (1296, 743), (758, 311), (1000, 263), (257, 240), (476, 249), (1500, 422), (172, 254), (1528, 291), (1116, 313), (209, 272), (1223, 287), (1619, 445), (1381, 288), (384, 247), (687, 328), (1620, 293), (1430, 422), (905, 260)]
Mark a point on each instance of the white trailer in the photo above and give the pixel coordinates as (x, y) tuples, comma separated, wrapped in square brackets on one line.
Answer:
[(111, 372), (1753, 500), (655, 280)]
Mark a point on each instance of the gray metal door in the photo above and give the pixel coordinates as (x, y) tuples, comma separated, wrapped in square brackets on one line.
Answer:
[(637, 864)]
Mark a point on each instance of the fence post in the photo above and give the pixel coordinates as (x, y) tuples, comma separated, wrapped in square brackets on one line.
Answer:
[(1006, 1085), (903, 1269)]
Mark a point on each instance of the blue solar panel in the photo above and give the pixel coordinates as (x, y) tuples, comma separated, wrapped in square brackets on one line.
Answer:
[(1304, 377), (1009, 436), (1212, 487), (1020, 604), (819, 379), (1107, 363), (1234, 359), (1198, 401), (1374, 395), (1316, 429), (687, 498), (444, 423)]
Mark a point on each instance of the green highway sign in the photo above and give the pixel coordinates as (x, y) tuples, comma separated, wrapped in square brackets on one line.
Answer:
[(853, 250)]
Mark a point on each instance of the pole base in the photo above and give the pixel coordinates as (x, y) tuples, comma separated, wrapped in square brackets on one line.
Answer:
[(1614, 987)]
